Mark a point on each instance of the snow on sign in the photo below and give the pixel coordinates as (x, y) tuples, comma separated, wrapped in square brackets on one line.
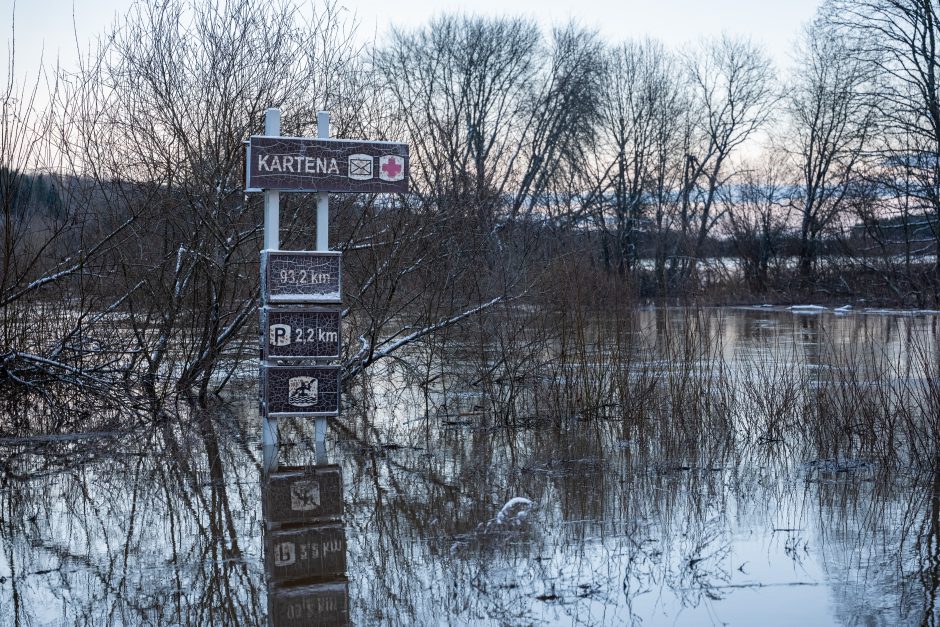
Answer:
[(300, 333), (300, 391), (305, 164), (300, 276)]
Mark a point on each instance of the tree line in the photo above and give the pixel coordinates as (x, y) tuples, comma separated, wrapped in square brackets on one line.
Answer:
[(540, 162)]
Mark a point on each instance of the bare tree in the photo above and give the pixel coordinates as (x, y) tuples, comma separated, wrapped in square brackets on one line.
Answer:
[(54, 249), (644, 95), (490, 110), (496, 120), (900, 41), (758, 218), (732, 94), (562, 118), (459, 85), (893, 237), (831, 120)]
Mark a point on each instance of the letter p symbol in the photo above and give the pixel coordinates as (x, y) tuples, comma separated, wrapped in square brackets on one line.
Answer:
[(279, 334)]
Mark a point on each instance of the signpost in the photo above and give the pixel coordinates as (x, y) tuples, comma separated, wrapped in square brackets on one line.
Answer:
[(305, 164), (301, 312), (299, 276), (300, 391), (300, 333)]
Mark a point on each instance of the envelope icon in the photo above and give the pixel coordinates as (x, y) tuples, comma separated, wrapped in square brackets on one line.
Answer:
[(360, 167)]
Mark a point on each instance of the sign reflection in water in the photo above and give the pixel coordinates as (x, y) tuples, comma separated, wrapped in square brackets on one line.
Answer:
[(305, 546)]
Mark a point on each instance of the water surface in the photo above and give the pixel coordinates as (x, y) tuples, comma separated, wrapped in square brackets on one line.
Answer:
[(728, 466)]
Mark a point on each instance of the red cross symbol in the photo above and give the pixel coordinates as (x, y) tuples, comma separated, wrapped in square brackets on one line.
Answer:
[(391, 168)]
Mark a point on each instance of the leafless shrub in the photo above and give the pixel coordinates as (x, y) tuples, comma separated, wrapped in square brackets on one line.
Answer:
[(161, 110), (832, 122)]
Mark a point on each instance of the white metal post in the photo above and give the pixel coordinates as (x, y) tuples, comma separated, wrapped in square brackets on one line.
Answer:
[(272, 241), (272, 200), (323, 198), (323, 245)]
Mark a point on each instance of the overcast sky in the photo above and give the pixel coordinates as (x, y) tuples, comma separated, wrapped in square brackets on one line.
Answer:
[(46, 26)]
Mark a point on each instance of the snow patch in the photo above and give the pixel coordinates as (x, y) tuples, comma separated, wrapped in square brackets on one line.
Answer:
[(508, 522), (514, 512), (306, 296), (807, 309)]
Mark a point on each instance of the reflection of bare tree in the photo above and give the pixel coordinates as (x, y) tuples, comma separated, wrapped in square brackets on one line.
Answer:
[(150, 534), (658, 501)]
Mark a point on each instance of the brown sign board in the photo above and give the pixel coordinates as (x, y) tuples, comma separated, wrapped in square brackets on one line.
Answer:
[(296, 553), (300, 391), (299, 276), (300, 333), (324, 604), (305, 164), (303, 494)]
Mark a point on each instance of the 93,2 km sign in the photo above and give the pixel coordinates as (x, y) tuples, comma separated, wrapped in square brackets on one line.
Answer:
[(300, 277)]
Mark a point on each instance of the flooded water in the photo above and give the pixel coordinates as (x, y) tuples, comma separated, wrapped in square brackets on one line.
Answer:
[(722, 467)]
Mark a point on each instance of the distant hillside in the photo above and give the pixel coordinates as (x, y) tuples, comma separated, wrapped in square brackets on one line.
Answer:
[(20, 191)]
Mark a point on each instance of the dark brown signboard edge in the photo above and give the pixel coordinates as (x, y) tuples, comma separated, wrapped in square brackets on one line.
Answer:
[(301, 309), (313, 190), (286, 472), (300, 252), (339, 140), (246, 159)]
